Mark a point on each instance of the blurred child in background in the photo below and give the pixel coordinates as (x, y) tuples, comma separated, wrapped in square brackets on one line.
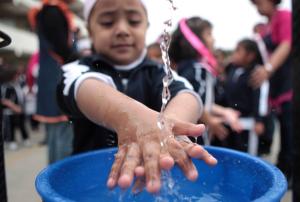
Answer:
[(240, 95), (13, 101), (191, 50)]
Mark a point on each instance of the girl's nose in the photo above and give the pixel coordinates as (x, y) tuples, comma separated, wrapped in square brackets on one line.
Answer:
[(122, 29)]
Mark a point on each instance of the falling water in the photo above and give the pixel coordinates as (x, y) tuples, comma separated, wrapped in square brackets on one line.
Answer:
[(168, 78)]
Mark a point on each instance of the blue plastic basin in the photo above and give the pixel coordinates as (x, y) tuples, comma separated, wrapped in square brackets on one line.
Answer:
[(237, 177)]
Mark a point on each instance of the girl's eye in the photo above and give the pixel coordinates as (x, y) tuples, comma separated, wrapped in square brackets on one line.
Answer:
[(107, 23), (134, 22)]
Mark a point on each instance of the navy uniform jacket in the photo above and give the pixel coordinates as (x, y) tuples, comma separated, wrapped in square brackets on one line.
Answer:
[(202, 81), (240, 95), (142, 82)]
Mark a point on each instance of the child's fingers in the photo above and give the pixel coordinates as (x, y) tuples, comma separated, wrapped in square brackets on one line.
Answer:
[(151, 154), (182, 159), (131, 161), (116, 167), (198, 152), (139, 171), (189, 129), (166, 162)]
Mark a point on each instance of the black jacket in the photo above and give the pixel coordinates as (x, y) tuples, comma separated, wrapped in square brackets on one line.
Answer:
[(241, 96)]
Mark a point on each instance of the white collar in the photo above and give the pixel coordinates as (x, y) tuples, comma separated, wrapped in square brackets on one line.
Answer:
[(133, 64)]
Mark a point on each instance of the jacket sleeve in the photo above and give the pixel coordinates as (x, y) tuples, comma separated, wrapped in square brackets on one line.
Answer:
[(73, 75)]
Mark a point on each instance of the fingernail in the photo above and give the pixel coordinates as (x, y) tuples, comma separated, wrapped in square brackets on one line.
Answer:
[(213, 159), (110, 183), (192, 175), (124, 181)]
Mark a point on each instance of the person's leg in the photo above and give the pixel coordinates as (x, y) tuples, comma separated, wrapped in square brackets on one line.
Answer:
[(11, 138), (12, 126), (266, 139), (50, 133), (6, 128), (284, 161), (64, 141), (22, 127), (60, 139)]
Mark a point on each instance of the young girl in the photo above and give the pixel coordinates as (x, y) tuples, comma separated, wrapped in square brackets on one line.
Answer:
[(12, 100), (240, 95), (191, 50), (114, 97)]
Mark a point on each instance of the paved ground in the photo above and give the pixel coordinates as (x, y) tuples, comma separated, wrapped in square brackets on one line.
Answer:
[(23, 165)]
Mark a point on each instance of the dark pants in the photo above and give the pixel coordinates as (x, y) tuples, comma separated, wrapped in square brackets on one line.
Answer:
[(284, 116), (17, 121), (11, 123), (266, 139)]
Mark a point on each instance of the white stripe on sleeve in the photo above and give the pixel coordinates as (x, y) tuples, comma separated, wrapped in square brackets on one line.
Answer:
[(96, 75), (75, 72)]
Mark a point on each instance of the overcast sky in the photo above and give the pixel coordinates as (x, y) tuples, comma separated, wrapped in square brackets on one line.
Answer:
[(232, 19)]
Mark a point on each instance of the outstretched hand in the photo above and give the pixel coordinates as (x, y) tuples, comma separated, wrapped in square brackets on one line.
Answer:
[(150, 150)]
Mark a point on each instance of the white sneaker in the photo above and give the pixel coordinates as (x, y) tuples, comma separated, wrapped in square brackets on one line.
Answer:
[(27, 143), (12, 146)]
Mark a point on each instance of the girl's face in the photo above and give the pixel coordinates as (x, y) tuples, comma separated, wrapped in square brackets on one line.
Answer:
[(208, 39), (118, 30), (265, 7), (240, 56)]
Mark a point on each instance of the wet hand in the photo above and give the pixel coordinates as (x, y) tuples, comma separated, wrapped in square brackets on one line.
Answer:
[(152, 149)]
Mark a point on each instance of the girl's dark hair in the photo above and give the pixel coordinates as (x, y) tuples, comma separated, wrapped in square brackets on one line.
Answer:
[(251, 47), (276, 2), (180, 49)]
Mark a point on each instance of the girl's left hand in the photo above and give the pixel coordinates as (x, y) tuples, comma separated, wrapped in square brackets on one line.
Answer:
[(232, 119), (258, 76)]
